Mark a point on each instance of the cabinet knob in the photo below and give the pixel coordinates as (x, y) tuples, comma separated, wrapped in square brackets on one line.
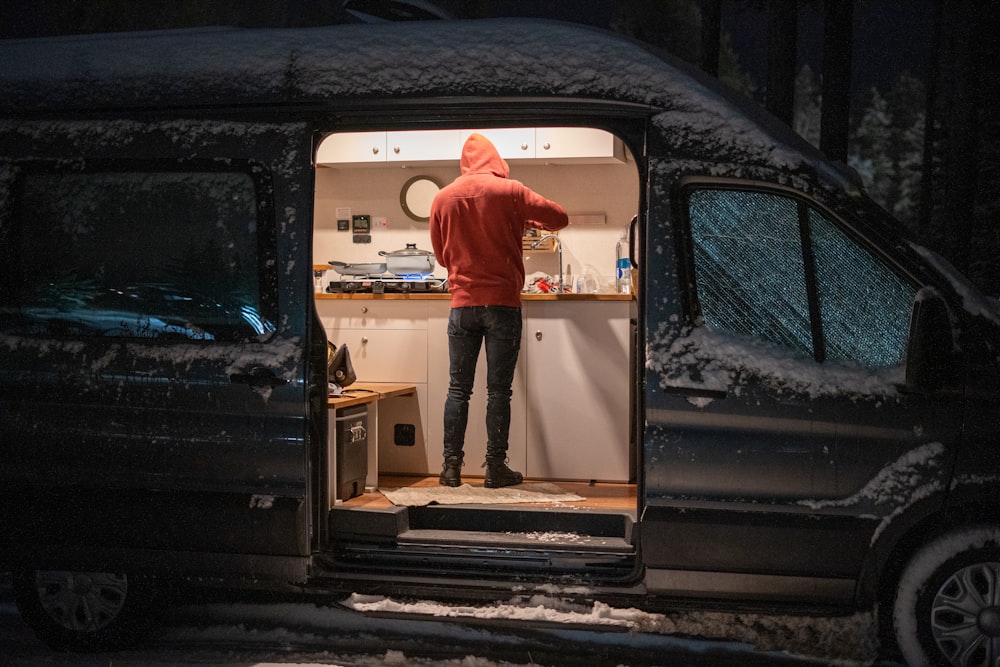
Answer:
[(524, 147), (374, 150), (538, 335), (546, 145), (364, 309), (364, 340), (395, 149)]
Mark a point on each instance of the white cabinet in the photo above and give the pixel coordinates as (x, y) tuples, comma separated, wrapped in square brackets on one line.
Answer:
[(352, 147), (423, 145), (513, 143), (581, 144), (575, 145), (387, 340), (577, 360), (388, 343), (570, 395)]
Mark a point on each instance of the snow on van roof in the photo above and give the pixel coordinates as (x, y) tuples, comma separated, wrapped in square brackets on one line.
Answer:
[(336, 64)]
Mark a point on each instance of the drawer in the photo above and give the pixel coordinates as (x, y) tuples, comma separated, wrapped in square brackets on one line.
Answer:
[(385, 355), (364, 314)]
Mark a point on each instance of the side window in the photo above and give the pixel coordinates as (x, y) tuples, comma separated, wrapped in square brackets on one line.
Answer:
[(865, 308), (771, 267), (165, 254), (748, 265)]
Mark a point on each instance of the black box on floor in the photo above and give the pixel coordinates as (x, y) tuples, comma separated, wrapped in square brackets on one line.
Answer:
[(351, 451)]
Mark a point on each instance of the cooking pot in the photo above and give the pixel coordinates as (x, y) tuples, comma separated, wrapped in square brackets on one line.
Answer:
[(409, 260), (366, 269)]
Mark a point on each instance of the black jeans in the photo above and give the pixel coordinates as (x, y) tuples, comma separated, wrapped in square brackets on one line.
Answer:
[(500, 327)]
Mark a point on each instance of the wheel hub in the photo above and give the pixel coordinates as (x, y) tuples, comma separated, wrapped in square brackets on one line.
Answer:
[(965, 615), (989, 621), (81, 601)]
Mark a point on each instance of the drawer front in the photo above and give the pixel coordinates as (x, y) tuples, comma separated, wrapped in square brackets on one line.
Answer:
[(364, 314), (385, 355)]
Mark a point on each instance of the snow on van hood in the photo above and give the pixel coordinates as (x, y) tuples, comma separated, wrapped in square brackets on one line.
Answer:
[(343, 64)]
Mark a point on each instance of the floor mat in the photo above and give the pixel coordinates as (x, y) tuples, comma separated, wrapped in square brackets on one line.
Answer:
[(529, 492)]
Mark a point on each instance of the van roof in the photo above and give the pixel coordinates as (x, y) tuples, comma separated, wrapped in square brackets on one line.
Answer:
[(337, 65)]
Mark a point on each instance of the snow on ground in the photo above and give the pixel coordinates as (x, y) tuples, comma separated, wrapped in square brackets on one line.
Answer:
[(522, 631)]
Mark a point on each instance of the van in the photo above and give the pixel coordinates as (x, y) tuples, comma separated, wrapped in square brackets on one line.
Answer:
[(811, 402)]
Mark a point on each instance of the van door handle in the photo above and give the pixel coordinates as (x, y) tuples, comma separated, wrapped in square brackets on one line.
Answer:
[(258, 376)]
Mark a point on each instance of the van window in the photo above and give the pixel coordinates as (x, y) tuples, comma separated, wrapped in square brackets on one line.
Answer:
[(771, 267), (165, 254)]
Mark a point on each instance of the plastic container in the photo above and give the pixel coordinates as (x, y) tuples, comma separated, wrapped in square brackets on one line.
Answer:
[(623, 266)]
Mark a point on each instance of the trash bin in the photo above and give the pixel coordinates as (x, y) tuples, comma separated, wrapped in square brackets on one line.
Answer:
[(351, 451)]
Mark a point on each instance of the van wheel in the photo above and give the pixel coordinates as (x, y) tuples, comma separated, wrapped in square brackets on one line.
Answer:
[(83, 611), (947, 609)]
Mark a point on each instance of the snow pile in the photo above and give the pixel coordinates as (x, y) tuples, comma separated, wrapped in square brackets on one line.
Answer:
[(716, 361), (847, 638)]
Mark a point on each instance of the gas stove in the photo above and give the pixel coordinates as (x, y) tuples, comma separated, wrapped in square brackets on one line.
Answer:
[(387, 283)]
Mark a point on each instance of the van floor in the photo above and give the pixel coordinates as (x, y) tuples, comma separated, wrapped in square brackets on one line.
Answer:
[(597, 495)]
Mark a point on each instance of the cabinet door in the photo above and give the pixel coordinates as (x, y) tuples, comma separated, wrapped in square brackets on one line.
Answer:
[(423, 145), (351, 147), (512, 142), (577, 142), (577, 357)]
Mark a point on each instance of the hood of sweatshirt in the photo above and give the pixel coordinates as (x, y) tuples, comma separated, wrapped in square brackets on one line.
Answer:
[(480, 156)]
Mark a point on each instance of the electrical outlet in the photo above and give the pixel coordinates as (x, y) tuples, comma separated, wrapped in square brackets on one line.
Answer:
[(380, 223)]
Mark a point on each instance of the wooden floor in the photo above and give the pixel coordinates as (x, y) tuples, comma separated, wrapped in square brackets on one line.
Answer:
[(598, 495)]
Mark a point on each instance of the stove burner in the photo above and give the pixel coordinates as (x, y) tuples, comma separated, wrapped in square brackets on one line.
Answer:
[(381, 284)]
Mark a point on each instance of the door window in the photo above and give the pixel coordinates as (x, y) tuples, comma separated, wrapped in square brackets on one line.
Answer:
[(771, 267), (138, 253)]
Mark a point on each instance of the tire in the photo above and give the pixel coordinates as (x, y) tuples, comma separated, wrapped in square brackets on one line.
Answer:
[(947, 606), (84, 611)]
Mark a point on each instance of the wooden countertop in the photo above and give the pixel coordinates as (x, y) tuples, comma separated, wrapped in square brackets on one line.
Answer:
[(360, 393), (424, 296)]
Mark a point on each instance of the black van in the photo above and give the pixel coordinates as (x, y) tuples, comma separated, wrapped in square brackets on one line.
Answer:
[(816, 401)]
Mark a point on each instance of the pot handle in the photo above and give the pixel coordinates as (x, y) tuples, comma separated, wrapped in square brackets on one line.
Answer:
[(383, 253)]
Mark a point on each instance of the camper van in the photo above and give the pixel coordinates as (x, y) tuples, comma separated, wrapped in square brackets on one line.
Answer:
[(738, 385)]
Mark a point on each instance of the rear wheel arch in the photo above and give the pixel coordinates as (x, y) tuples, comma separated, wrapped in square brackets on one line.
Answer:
[(905, 538)]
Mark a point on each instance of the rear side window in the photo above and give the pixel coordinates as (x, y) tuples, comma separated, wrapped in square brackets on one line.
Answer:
[(773, 268), (178, 253)]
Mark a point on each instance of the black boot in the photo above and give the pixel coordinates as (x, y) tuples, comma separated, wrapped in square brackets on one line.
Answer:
[(498, 474), (451, 472)]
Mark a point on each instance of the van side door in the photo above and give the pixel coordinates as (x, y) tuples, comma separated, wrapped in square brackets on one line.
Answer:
[(780, 437), (152, 362)]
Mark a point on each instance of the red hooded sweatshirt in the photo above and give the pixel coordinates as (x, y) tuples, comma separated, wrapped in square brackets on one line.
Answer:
[(476, 227)]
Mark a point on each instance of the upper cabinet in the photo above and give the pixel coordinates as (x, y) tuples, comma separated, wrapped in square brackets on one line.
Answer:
[(544, 144), (421, 145), (359, 147), (577, 143), (513, 143)]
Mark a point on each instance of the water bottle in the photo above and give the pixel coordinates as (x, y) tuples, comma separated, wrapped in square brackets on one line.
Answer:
[(623, 267)]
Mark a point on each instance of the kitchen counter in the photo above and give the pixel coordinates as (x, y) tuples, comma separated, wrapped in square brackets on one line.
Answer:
[(369, 392), (426, 296)]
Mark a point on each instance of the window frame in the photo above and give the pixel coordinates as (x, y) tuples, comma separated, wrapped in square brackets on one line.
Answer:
[(684, 242)]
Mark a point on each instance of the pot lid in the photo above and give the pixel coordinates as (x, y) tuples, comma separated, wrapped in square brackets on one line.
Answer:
[(411, 250)]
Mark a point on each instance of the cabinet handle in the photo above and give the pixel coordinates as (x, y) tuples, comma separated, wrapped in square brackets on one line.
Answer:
[(546, 145), (395, 150), (374, 150), (364, 309), (524, 147), (364, 340), (538, 335)]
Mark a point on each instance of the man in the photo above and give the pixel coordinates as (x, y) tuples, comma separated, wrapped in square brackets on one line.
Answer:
[(476, 227)]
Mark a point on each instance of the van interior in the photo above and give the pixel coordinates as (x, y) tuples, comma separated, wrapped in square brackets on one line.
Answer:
[(575, 512)]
